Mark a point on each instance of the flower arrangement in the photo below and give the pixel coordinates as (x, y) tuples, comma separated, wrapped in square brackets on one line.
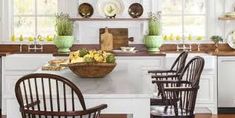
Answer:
[(64, 27), (91, 56), (153, 40), (155, 24)]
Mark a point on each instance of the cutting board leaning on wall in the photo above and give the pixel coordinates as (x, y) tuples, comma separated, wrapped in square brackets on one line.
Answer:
[(106, 41), (120, 37)]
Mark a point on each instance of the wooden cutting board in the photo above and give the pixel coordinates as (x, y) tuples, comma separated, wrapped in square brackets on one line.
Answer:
[(120, 36), (106, 41)]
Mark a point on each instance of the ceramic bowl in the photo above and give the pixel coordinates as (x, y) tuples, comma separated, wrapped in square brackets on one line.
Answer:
[(127, 49)]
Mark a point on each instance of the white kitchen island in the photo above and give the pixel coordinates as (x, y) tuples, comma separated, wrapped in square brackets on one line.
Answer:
[(124, 91), (115, 92)]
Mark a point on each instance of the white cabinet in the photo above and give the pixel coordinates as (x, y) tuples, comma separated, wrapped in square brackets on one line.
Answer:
[(226, 82), (142, 65), (16, 66), (207, 94)]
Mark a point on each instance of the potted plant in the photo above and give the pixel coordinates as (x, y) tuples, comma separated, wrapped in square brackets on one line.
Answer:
[(64, 29), (216, 39), (153, 41)]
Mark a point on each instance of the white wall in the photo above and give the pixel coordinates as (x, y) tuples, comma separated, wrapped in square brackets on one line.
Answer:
[(224, 27), (87, 32), (5, 19), (1, 8)]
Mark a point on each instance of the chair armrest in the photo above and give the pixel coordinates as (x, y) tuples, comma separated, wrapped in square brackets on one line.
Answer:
[(177, 89), (67, 113), (161, 71), (32, 104), (165, 76), (97, 108), (170, 82)]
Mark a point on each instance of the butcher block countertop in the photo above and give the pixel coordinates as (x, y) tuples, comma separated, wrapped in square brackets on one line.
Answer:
[(6, 49), (4, 54), (224, 53), (138, 53)]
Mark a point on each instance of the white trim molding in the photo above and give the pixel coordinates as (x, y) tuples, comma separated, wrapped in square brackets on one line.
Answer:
[(1, 22)]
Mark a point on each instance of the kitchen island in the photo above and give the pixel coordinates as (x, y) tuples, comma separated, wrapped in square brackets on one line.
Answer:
[(15, 66), (123, 91), (126, 90)]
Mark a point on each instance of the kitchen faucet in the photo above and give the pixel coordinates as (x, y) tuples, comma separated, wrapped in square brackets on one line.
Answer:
[(35, 46), (184, 47)]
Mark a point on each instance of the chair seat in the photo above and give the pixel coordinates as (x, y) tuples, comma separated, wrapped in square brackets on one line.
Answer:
[(59, 117), (158, 111), (156, 101)]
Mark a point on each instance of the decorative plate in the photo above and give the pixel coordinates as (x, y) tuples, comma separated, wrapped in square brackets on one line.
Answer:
[(135, 10), (110, 8), (85, 10), (231, 39)]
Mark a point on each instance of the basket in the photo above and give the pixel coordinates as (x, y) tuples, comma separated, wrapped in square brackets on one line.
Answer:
[(91, 70)]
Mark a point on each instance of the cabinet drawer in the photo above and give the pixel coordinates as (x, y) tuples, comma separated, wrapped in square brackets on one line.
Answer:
[(26, 62)]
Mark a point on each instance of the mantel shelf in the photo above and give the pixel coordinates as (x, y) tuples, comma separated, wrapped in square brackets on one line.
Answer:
[(226, 18), (106, 19)]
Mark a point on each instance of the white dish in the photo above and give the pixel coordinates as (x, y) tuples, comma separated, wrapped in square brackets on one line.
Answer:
[(117, 6), (230, 14), (120, 51), (231, 39), (127, 49)]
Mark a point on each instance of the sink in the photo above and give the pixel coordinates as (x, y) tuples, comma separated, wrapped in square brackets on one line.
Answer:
[(210, 60), (190, 54)]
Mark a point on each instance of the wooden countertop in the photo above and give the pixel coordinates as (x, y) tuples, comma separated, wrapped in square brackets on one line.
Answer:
[(4, 53), (167, 48), (225, 53), (138, 53)]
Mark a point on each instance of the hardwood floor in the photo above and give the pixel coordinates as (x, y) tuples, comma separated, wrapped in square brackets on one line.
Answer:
[(197, 116), (216, 116)]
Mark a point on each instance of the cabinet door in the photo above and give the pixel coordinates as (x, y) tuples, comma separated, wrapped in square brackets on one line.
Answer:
[(142, 65), (226, 82), (207, 90)]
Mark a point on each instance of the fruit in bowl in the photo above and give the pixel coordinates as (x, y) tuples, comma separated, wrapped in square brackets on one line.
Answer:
[(91, 63), (91, 56)]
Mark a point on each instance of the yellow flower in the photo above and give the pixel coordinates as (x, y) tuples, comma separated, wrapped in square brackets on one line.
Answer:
[(98, 57)]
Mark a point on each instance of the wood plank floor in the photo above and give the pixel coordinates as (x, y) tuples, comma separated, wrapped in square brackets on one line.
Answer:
[(216, 116), (197, 116)]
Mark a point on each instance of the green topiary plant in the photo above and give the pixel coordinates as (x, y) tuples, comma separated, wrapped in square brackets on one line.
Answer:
[(64, 27), (154, 24), (153, 41), (216, 39)]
